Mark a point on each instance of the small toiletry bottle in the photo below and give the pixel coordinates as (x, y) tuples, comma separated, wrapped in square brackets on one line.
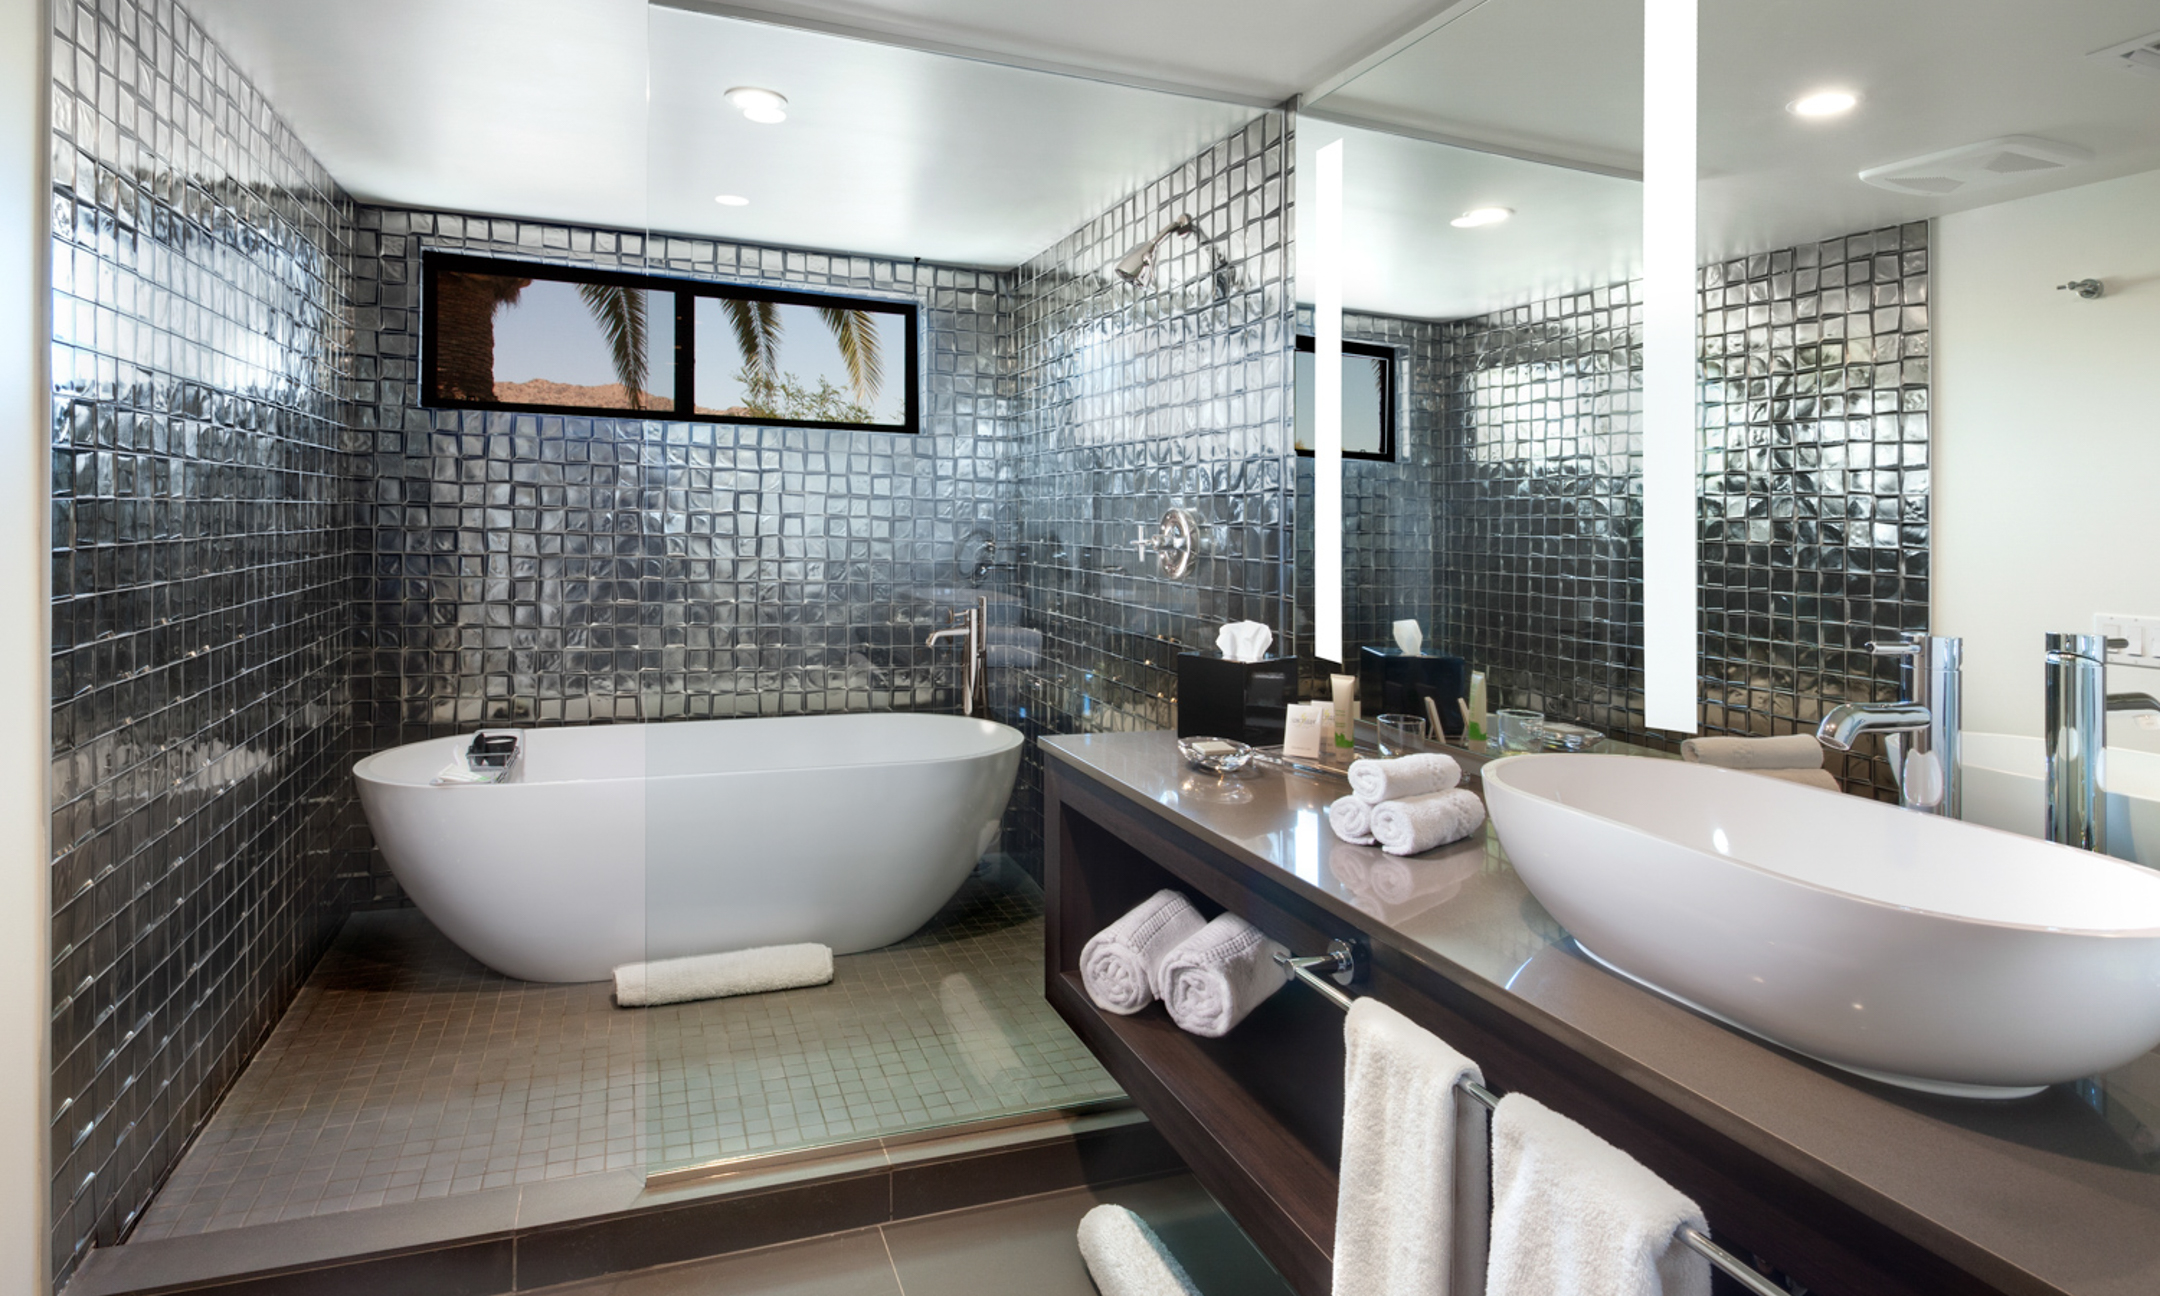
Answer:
[(1474, 723), (1345, 687)]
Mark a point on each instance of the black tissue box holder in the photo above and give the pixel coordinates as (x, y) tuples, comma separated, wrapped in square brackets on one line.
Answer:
[(1390, 682), (1243, 701)]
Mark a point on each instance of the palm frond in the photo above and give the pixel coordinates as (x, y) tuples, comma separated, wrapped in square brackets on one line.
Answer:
[(756, 325), (855, 333), (620, 313)]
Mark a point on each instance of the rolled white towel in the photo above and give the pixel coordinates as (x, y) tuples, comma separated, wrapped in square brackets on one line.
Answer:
[(1416, 825), (1125, 1258), (1814, 778), (1121, 965), (1223, 971), (1793, 751), (715, 976), (1352, 820), (1374, 781)]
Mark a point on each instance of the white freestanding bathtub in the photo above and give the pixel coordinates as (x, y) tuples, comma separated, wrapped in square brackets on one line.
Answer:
[(622, 843)]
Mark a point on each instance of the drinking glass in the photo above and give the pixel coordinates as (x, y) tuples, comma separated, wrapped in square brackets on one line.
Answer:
[(1399, 734), (1520, 731)]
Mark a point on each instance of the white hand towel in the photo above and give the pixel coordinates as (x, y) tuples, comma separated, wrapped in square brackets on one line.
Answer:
[(1572, 1213), (1410, 1205), (1223, 971), (1125, 1258), (1352, 820), (715, 976), (1814, 778), (1793, 751), (1374, 781), (1121, 965), (1418, 824)]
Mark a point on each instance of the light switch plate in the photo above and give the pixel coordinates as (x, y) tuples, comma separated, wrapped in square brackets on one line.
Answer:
[(2141, 632)]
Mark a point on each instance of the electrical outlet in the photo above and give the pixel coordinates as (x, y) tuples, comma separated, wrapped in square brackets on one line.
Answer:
[(2141, 636)]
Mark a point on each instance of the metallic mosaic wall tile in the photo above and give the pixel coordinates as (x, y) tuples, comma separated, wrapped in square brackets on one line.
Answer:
[(202, 570), (540, 569), (1814, 491), (1138, 399)]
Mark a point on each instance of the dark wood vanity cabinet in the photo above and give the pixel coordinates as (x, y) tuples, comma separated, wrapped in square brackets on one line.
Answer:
[(1257, 1114)]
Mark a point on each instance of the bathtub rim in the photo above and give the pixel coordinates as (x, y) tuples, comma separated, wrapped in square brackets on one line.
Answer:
[(1005, 741)]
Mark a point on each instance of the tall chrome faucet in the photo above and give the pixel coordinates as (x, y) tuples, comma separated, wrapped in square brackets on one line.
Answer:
[(1920, 730), (2078, 705), (972, 626)]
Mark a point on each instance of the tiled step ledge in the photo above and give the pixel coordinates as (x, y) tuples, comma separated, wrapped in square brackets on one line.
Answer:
[(537, 1235)]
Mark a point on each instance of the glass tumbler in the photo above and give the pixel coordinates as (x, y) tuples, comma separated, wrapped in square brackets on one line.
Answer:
[(1520, 731), (1399, 734)]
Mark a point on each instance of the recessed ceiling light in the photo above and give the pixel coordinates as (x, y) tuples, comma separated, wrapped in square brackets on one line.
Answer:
[(731, 200), (766, 107), (1823, 103), (1477, 216)]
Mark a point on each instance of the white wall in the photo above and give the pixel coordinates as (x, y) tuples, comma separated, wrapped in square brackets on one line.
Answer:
[(2047, 436), (25, 668)]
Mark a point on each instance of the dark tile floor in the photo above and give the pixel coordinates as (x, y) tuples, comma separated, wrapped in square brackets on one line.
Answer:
[(1026, 1248), (406, 1071)]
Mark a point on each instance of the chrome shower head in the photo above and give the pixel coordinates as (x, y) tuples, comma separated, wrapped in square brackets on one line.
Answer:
[(1139, 264)]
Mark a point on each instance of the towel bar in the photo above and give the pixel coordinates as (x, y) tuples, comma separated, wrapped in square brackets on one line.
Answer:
[(1341, 962)]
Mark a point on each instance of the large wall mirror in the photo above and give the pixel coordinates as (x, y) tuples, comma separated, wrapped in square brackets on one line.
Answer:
[(1905, 421)]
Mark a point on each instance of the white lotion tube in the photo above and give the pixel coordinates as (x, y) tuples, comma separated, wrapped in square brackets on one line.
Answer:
[(1475, 721), (1345, 687)]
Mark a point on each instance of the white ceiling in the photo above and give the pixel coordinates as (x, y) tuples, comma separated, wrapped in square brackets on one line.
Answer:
[(895, 151), (1260, 50), (1571, 230), (1562, 79)]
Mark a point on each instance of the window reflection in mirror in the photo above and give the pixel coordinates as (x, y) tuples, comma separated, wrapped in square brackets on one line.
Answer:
[(1368, 400)]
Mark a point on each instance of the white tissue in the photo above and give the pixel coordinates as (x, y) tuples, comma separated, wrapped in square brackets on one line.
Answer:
[(1409, 637), (1244, 641)]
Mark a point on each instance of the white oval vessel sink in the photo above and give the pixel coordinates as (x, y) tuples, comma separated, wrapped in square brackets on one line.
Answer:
[(2006, 788), (1907, 948)]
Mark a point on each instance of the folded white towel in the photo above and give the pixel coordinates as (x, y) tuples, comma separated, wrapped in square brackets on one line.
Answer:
[(715, 976), (1374, 781), (457, 772), (1793, 751), (1121, 965), (1572, 1213), (1410, 1204), (1125, 1258), (1223, 971), (1418, 824), (1815, 778), (1351, 819)]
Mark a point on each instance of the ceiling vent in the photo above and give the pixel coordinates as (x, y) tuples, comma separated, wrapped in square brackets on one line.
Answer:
[(1976, 166), (2140, 55)]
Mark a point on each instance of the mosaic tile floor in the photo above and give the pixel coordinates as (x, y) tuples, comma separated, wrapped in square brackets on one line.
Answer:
[(405, 1070)]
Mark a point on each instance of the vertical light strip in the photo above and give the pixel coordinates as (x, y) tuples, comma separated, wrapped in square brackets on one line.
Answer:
[(1669, 352), (1326, 255)]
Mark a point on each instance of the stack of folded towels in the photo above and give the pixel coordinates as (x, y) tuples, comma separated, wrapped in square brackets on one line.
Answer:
[(1795, 758), (1209, 975), (1407, 805)]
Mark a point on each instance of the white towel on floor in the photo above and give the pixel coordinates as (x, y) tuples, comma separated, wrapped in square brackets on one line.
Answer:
[(1223, 971), (1351, 819), (1416, 825), (1572, 1213), (1374, 781), (1410, 1205), (1814, 778), (715, 976), (1125, 1258), (1793, 751), (1121, 965)]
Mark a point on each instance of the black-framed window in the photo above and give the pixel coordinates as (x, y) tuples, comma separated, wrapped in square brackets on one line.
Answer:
[(1368, 390), (514, 335)]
